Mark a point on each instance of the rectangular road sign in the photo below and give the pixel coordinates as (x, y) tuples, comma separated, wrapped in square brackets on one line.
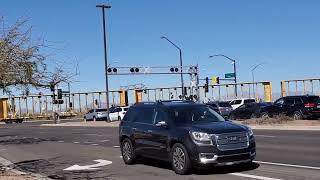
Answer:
[(229, 75)]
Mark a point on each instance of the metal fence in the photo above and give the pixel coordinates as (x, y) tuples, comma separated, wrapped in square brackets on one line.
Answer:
[(300, 87), (80, 102)]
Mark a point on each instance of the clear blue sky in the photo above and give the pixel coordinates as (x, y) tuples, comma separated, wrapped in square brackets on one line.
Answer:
[(285, 33)]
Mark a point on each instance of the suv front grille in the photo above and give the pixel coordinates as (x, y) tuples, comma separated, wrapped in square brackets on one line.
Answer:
[(232, 141)]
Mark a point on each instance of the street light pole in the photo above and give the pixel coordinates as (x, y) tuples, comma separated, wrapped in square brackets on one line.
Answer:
[(253, 80), (180, 56), (105, 54), (234, 70)]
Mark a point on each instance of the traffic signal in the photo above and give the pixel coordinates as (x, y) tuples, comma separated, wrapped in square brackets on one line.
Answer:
[(59, 94), (174, 69), (206, 85), (215, 80)]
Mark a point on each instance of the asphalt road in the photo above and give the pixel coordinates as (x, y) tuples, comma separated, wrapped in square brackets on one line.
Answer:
[(50, 150)]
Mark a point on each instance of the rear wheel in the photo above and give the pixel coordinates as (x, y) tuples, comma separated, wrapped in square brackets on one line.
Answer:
[(297, 115), (127, 150), (265, 115), (119, 118), (94, 118), (180, 160)]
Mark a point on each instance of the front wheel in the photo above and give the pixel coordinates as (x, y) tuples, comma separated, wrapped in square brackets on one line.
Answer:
[(180, 160), (127, 150)]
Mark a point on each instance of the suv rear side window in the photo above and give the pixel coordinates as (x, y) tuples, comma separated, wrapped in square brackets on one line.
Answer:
[(144, 115), (298, 101), (249, 101), (311, 99)]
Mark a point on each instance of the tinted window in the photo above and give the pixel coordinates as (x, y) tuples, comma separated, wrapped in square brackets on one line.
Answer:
[(279, 102), (212, 105), (101, 110), (125, 109), (130, 115), (144, 115), (237, 101), (160, 115), (224, 104), (289, 101), (249, 101), (311, 99), (194, 114), (298, 101)]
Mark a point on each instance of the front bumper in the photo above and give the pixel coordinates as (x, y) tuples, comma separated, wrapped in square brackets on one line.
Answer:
[(211, 155)]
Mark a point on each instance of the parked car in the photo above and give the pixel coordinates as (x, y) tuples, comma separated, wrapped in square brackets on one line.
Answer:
[(184, 133), (96, 114), (247, 111), (238, 102), (298, 107), (223, 108), (116, 113)]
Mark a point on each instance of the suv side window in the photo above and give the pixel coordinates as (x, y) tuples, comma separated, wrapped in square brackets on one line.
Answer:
[(160, 115), (298, 101), (144, 115), (279, 102), (130, 115), (289, 101)]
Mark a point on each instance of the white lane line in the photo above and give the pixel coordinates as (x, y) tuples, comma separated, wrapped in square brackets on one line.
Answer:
[(60, 141), (287, 165), (265, 136), (253, 176), (95, 144), (76, 142), (116, 146), (87, 142)]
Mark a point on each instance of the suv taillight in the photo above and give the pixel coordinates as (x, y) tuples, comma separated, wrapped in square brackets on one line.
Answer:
[(309, 105)]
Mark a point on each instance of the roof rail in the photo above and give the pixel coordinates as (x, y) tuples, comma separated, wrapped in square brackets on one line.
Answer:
[(175, 101)]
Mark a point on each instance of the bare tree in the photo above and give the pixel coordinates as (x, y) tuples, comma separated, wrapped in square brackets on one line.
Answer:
[(22, 64)]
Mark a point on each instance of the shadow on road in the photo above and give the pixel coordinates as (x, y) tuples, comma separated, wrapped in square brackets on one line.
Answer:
[(203, 170)]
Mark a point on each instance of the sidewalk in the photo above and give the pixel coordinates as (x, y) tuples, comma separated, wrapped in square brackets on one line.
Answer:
[(85, 124)]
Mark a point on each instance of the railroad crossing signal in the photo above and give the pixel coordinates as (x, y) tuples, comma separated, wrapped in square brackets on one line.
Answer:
[(215, 80)]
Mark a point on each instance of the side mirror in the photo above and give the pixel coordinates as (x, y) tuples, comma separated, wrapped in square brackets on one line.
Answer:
[(162, 124)]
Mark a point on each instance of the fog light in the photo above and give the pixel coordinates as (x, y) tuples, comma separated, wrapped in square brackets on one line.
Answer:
[(207, 158)]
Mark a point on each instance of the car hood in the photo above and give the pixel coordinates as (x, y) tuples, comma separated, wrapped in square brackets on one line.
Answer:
[(219, 127)]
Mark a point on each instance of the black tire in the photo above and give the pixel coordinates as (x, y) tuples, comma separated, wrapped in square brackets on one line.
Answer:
[(297, 115), (128, 152), (265, 115), (253, 116), (119, 118), (94, 118), (180, 160)]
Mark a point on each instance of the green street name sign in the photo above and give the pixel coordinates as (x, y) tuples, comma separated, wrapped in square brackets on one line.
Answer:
[(229, 75)]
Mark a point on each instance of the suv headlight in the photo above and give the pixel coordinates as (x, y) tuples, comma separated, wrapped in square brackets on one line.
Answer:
[(250, 132), (201, 138)]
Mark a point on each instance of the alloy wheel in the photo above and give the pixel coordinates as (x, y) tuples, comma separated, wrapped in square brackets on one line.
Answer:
[(179, 158), (126, 151)]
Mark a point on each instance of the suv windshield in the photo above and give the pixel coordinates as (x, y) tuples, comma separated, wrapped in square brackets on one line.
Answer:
[(195, 114)]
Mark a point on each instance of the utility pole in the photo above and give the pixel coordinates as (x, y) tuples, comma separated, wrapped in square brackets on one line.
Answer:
[(234, 70), (180, 57), (103, 7)]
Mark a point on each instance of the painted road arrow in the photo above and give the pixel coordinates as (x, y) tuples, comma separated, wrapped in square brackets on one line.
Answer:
[(100, 163)]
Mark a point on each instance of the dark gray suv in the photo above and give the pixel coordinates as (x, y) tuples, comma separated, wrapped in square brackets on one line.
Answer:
[(184, 133)]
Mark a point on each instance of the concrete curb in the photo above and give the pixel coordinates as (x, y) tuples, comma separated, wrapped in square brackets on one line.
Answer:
[(84, 124), (291, 128), (9, 166)]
